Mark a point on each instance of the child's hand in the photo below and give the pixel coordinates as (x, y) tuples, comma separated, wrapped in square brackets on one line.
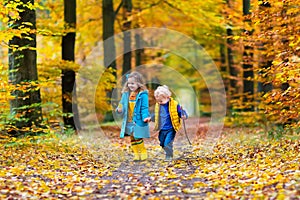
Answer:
[(184, 115), (148, 119), (119, 109)]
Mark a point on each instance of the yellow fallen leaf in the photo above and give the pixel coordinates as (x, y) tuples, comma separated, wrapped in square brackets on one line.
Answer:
[(199, 184)]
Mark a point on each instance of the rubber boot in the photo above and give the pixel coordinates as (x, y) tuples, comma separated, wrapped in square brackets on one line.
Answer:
[(135, 149), (143, 151)]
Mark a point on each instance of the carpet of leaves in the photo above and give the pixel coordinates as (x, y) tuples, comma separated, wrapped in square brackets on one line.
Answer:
[(244, 164)]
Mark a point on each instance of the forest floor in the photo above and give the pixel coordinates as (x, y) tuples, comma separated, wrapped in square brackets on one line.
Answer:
[(231, 169), (240, 163), (156, 177)]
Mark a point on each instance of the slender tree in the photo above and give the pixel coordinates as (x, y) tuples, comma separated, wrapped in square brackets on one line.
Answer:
[(127, 8), (248, 75), (109, 47), (108, 33), (224, 71), (232, 68), (68, 75), (265, 61), (138, 51), (26, 105), (138, 41)]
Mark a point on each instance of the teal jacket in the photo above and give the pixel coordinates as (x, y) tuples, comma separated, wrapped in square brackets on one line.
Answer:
[(141, 111)]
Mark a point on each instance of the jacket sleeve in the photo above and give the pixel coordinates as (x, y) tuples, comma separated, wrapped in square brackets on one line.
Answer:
[(181, 112), (145, 106), (121, 105)]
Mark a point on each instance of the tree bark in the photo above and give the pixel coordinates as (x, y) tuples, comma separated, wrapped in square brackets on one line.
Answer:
[(138, 39), (232, 69), (68, 75), (127, 8), (109, 44), (224, 73), (26, 106), (248, 75), (108, 32), (138, 51), (265, 61)]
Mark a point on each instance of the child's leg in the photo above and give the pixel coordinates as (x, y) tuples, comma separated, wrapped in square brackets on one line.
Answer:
[(135, 147), (168, 143), (161, 137), (169, 150)]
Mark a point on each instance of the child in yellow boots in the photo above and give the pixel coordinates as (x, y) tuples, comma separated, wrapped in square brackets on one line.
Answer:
[(134, 107)]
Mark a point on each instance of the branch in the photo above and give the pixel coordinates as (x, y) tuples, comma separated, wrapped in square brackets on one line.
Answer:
[(172, 6), (119, 7)]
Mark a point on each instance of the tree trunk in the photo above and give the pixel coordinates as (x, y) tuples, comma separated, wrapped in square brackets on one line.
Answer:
[(248, 74), (127, 7), (68, 75), (224, 73), (138, 51), (138, 39), (26, 107), (265, 61), (109, 44), (108, 32), (232, 69)]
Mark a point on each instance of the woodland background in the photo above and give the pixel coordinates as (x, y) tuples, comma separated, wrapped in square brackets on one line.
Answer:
[(254, 44)]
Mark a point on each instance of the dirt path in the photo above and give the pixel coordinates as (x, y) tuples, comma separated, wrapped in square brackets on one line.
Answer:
[(142, 179)]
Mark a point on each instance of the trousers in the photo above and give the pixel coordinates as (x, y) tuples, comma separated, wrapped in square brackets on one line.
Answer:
[(166, 139)]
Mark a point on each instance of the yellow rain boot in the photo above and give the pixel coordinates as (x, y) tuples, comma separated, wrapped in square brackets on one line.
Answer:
[(143, 151), (135, 150)]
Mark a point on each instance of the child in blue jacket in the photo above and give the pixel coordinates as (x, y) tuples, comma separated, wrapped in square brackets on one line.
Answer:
[(134, 107), (167, 118)]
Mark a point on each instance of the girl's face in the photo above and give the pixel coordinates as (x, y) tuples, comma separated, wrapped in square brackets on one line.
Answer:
[(132, 84), (161, 99)]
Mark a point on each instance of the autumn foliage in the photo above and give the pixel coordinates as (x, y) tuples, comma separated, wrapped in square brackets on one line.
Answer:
[(270, 35), (277, 41), (257, 154)]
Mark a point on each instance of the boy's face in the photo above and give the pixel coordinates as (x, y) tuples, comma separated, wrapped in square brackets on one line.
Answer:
[(161, 99)]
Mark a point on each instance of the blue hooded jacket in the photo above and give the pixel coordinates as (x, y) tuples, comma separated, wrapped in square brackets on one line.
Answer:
[(141, 111)]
